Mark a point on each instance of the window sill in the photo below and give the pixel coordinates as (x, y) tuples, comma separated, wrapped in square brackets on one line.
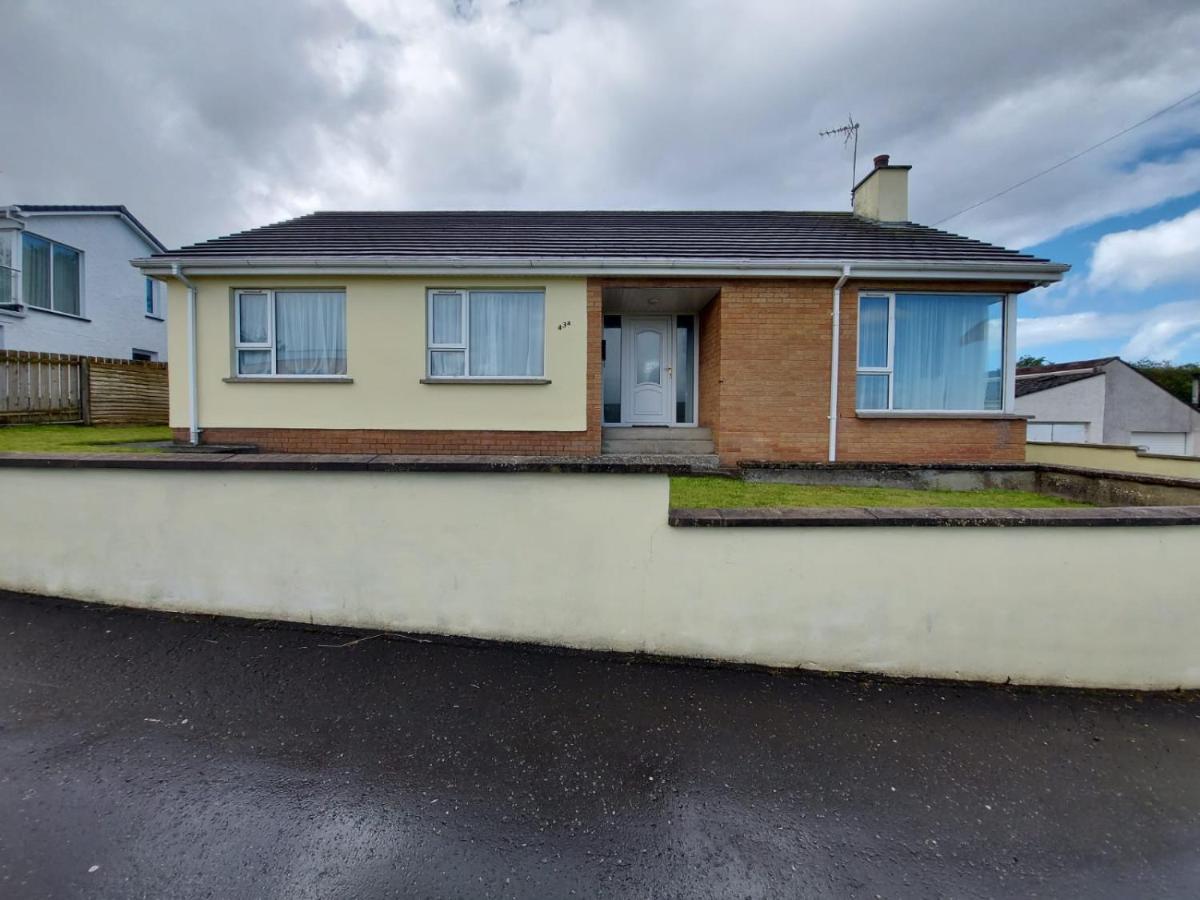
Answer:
[(485, 381), (932, 414), (289, 379), (55, 312), (155, 318)]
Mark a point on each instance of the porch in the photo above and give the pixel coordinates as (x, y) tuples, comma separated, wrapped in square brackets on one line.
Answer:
[(651, 371)]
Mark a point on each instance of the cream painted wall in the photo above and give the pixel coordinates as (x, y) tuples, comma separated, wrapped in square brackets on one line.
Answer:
[(589, 561), (385, 348), (1112, 459)]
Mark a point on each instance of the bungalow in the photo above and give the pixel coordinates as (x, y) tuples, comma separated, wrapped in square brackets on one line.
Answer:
[(788, 336)]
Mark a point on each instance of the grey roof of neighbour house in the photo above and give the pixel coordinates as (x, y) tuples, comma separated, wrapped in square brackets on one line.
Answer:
[(115, 209), (1032, 379), (767, 237)]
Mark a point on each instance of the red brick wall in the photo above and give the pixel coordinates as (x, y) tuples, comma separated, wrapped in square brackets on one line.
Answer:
[(773, 383), (917, 440), (516, 443), (709, 366)]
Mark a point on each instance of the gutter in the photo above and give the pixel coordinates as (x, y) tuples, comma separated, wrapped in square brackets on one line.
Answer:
[(834, 360), (193, 400), (738, 267)]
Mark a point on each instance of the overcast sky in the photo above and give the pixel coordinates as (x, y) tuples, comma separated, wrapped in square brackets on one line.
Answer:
[(210, 117)]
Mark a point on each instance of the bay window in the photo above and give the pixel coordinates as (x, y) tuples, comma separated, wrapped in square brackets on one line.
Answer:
[(290, 333), (51, 275), (485, 334), (926, 352)]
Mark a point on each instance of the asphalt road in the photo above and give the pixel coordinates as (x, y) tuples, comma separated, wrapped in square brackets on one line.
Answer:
[(155, 756)]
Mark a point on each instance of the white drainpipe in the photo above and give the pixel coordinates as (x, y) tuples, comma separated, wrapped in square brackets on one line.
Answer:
[(833, 362), (193, 403)]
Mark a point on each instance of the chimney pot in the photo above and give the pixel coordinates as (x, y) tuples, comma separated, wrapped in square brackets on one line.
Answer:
[(881, 160)]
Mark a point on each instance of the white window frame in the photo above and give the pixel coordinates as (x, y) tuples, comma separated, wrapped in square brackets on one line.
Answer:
[(16, 300), (1008, 319), (464, 295), (270, 343), (78, 314)]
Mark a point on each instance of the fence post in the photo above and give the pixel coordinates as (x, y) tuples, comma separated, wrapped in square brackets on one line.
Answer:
[(85, 391)]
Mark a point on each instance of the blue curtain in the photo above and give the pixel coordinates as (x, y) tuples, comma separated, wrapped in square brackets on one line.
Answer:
[(948, 352)]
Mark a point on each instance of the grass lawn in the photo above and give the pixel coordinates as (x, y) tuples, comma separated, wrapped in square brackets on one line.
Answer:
[(728, 493), (79, 438)]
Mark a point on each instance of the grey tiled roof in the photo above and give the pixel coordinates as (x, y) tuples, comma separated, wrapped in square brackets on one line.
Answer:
[(1036, 383), (765, 236)]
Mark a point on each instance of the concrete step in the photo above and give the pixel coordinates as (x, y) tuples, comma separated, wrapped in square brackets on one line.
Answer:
[(622, 445), (696, 460), (656, 433)]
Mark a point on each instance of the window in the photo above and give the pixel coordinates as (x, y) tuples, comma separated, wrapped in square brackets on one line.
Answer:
[(486, 334), (51, 274), (143, 355), (930, 352), (290, 333), (151, 297), (8, 272)]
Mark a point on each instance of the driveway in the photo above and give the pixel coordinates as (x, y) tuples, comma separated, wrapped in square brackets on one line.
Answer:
[(146, 755)]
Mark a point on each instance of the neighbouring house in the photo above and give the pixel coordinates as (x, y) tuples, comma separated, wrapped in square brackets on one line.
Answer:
[(1105, 401), (790, 336), (66, 285)]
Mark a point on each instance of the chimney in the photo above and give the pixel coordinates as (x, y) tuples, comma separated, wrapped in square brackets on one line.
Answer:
[(882, 195)]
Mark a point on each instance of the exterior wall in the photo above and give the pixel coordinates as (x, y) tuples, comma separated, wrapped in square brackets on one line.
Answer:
[(767, 396), (708, 363), (536, 557), (113, 306), (1079, 401), (1112, 458), (386, 408), (1135, 403)]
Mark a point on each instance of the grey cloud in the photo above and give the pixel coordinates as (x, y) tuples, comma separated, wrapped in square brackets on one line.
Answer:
[(207, 118)]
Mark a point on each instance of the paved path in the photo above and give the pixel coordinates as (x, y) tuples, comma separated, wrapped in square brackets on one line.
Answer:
[(151, 756)]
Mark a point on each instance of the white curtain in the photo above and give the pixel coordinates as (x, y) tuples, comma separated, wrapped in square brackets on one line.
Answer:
[(310, 333), (447, 319), (507, 333), (253, 315), (948, 352), (872, 333)]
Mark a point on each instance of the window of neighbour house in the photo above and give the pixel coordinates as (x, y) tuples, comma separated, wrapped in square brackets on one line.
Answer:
[(51, 274), (153, 305), (290, 333), (931, 352), (486, 334), (1057, 432), (8, 271)]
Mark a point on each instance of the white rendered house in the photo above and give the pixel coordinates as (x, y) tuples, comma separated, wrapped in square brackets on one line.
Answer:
[(66, 285)]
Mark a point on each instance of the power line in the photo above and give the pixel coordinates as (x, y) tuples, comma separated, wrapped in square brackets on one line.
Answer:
[(1059, 165)]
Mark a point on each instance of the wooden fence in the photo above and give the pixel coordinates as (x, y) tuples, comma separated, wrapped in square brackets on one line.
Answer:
[(56, 387)]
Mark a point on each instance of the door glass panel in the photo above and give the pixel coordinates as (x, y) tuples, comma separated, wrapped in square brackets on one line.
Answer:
[(685, 356), (611, 374), (648, 356)]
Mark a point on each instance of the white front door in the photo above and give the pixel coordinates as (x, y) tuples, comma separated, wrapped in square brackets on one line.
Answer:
[(649, 381)]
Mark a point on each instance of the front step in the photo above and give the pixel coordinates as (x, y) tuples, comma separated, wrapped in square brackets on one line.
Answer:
[(657, 441), (695, 461)]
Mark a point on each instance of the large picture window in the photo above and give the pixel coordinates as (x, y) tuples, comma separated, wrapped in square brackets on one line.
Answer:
[(51, 275), (931, 352), (290, 333), (486, 334)]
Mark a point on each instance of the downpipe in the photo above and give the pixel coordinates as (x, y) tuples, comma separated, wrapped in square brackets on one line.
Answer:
[(834, 360), (193, 401)]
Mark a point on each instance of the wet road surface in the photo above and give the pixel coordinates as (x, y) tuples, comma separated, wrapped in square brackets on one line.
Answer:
[(156, 756)]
